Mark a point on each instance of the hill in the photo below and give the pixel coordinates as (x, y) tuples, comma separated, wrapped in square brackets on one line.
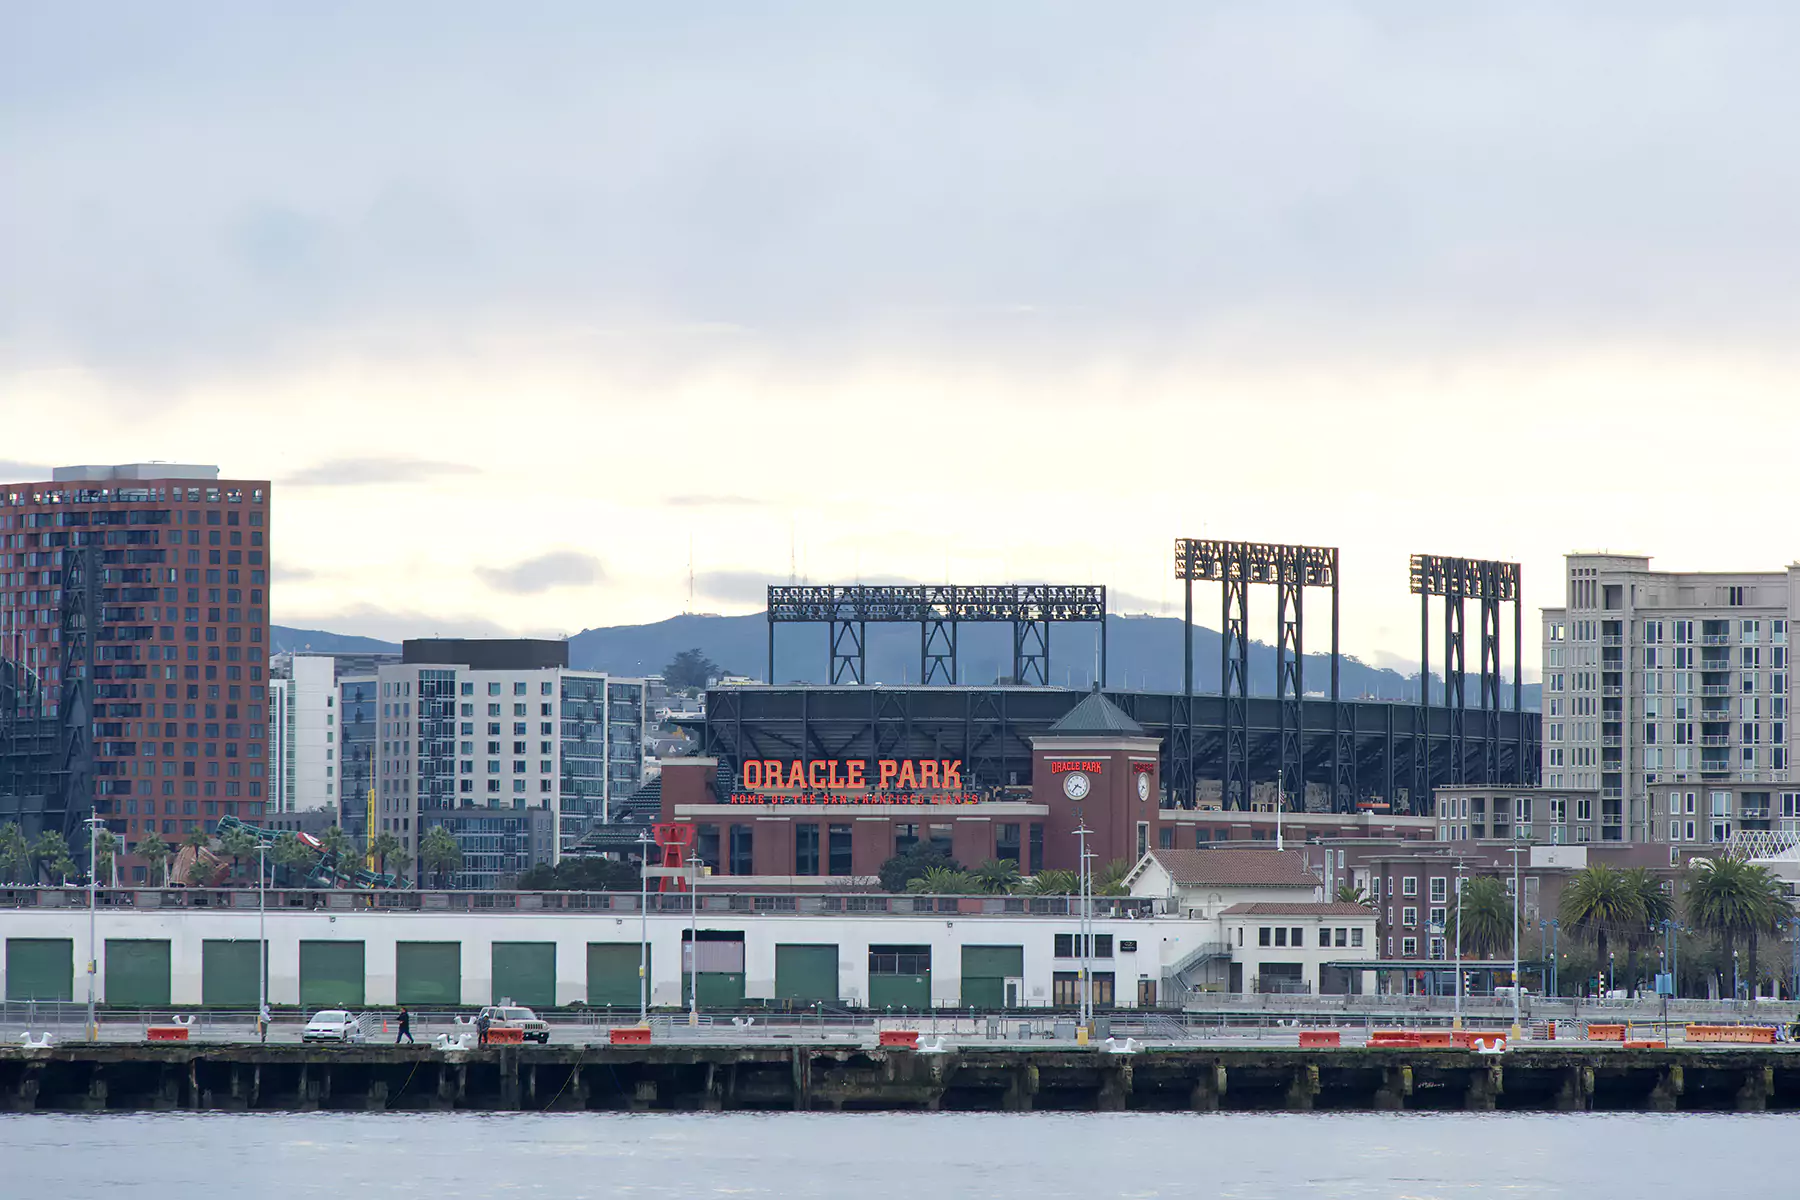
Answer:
[(1143, 653)]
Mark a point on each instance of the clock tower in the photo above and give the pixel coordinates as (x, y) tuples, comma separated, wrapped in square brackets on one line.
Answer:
[(1099, 766)]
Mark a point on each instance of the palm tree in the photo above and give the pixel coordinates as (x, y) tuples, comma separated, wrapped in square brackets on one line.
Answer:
[(15, 853), (439, 852), (941, 881), (238, 844), (1601, 901), (1658, 905), (1487, 918), (1349, 893), (1110, 879), (52, 855), (198, 838), (1055, 882), (1731, 898), (292, 853), (384, 846), (338, 848), (155, 853), (997, 876), (106, 846)]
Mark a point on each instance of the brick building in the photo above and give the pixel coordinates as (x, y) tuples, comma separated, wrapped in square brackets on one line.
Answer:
[(178, 633)]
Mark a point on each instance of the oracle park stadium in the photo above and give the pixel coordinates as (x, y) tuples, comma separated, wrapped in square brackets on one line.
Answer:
[(1298, 743)]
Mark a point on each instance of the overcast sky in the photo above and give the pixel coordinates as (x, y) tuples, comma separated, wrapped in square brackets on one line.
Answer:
[(515, 303)]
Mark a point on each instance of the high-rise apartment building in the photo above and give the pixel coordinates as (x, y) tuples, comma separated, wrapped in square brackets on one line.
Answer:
[(303, 733), (142, 592), (504, 745), (1666, 696)]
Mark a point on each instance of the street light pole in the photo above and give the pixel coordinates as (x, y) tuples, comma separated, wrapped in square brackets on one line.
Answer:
[(644, 928), (693, 865), (1456, 1021), (1084, 997), (262, 938), (1518, 899), (93, 1029)]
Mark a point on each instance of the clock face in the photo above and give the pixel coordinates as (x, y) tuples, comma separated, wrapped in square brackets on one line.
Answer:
[(1075, 785), (1143, 785)]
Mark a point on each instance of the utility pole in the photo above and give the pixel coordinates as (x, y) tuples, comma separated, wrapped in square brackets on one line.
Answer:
[(1456, 1021), (1518, 900), (644, 928), (93, 824), (262, 937), (693, 865), (1085, 993)]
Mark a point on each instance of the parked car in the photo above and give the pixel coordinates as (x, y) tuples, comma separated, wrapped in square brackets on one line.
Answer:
[(513, 1016), (332, 1025)]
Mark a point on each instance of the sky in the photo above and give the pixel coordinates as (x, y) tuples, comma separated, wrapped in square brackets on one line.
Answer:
[(535, 313)]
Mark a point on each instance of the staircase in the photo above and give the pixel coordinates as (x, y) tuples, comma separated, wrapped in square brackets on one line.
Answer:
[(1175, 975)]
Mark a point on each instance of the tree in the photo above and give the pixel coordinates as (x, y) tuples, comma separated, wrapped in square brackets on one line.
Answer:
[(239, 845), (1349, 893), (198, 838), (942, 881), (997, 876), (1601, 902), (439, 852), (1658, 906), (911, 864), (384, 846), (583, 874), (106, 846), (1055, 882), (155, 853), (1730, 898), (15, 853), (203, 871), (51, 853), (1110, 879), (691, 669), (292, 854), (1487, 918), (338, 847)]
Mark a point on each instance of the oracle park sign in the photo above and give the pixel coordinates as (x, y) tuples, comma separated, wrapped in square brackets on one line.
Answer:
[(853, 781)]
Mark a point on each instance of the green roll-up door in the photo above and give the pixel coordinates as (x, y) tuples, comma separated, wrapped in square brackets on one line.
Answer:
[(985, 970), (331, 974), (428, 973), (718, 989), (137, 973), (806, 974), (40, 969), (525, 973), (911, 992), (612, 974), (228, 973)]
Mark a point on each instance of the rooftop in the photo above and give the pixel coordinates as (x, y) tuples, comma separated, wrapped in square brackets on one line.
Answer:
[(131, 471), (1327, 909), (1233, 867), (1095, 716)]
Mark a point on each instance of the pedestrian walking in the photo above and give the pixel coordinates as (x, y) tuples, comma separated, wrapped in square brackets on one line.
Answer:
[(405, 1026), (481, 1029)]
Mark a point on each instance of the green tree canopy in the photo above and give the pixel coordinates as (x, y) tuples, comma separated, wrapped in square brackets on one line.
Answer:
[(1054, 882), (997, 876), (15, 853), (1487, 918), (439, 852), (581, 874), (1601, 903), (911, 864), (1733, 899), (942, 881), (51, 853), (155, 852), (1349, 893), (690, 669)]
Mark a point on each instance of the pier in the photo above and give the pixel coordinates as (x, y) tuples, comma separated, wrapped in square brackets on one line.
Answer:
[(815, 1077)]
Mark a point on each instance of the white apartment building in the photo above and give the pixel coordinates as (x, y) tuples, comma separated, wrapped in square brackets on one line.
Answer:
[(303, 734), (1666, 695), (516, 756)]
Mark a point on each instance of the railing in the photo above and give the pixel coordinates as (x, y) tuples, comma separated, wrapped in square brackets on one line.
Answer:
[(285, 900), (1715, 639)]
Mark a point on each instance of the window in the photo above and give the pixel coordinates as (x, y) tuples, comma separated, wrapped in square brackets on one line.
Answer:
[(493, 689), (806, 848), (1439, 889), (906, 836), (1263, 935), (1409, 947), (1324, 937), (839, 850), (1281, 935), (740, 849), (1409, 886), (1006, 842), (1409, 916), (1356, 936)]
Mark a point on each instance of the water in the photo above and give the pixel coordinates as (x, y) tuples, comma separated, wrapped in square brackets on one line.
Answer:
[(878, 1156)]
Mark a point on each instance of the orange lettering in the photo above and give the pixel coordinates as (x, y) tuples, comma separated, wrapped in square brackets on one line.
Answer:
[(753, 773), (815, 774), (855, 769), (953, 773), (833, 778), (889, 768), (771, 773), (928, 774), (796, 775), (907, 778)]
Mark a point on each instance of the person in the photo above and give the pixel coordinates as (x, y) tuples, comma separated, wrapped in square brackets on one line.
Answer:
[(481, 1028), (405, 1026)]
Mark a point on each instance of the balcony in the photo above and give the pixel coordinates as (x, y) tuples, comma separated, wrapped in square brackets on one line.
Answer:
[(1713, 739), (1715, 689), (1612, 639), (1612, 739), (1612, 793), (1715, 639), (1612, 689), (1715, 766)]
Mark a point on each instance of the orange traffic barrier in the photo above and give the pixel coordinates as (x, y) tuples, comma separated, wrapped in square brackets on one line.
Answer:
[(166, 1033), (903, 1038), (1403, 1039), (1605, 1033), (1760, 1035), (1318, 1039), (634, 1035), (1646, 1044), (1435, 1039), (506, 1037)]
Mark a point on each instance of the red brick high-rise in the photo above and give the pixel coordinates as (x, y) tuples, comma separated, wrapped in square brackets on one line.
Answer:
[(180, 727)]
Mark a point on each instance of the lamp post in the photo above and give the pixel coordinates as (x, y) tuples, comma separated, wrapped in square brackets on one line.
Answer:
[(93, 824), (1456, 1021), (1084, 994), (1517, 898), (693, 865), (262, 938), (644, 928)]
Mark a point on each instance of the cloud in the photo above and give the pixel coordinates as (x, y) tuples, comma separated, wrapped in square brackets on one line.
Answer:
[(363, 472), (559, 568), (13, 471), (292, 573), (702, 500)]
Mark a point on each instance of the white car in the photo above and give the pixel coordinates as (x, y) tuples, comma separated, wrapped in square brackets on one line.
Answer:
[(332, 1025), (512, 1016)]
